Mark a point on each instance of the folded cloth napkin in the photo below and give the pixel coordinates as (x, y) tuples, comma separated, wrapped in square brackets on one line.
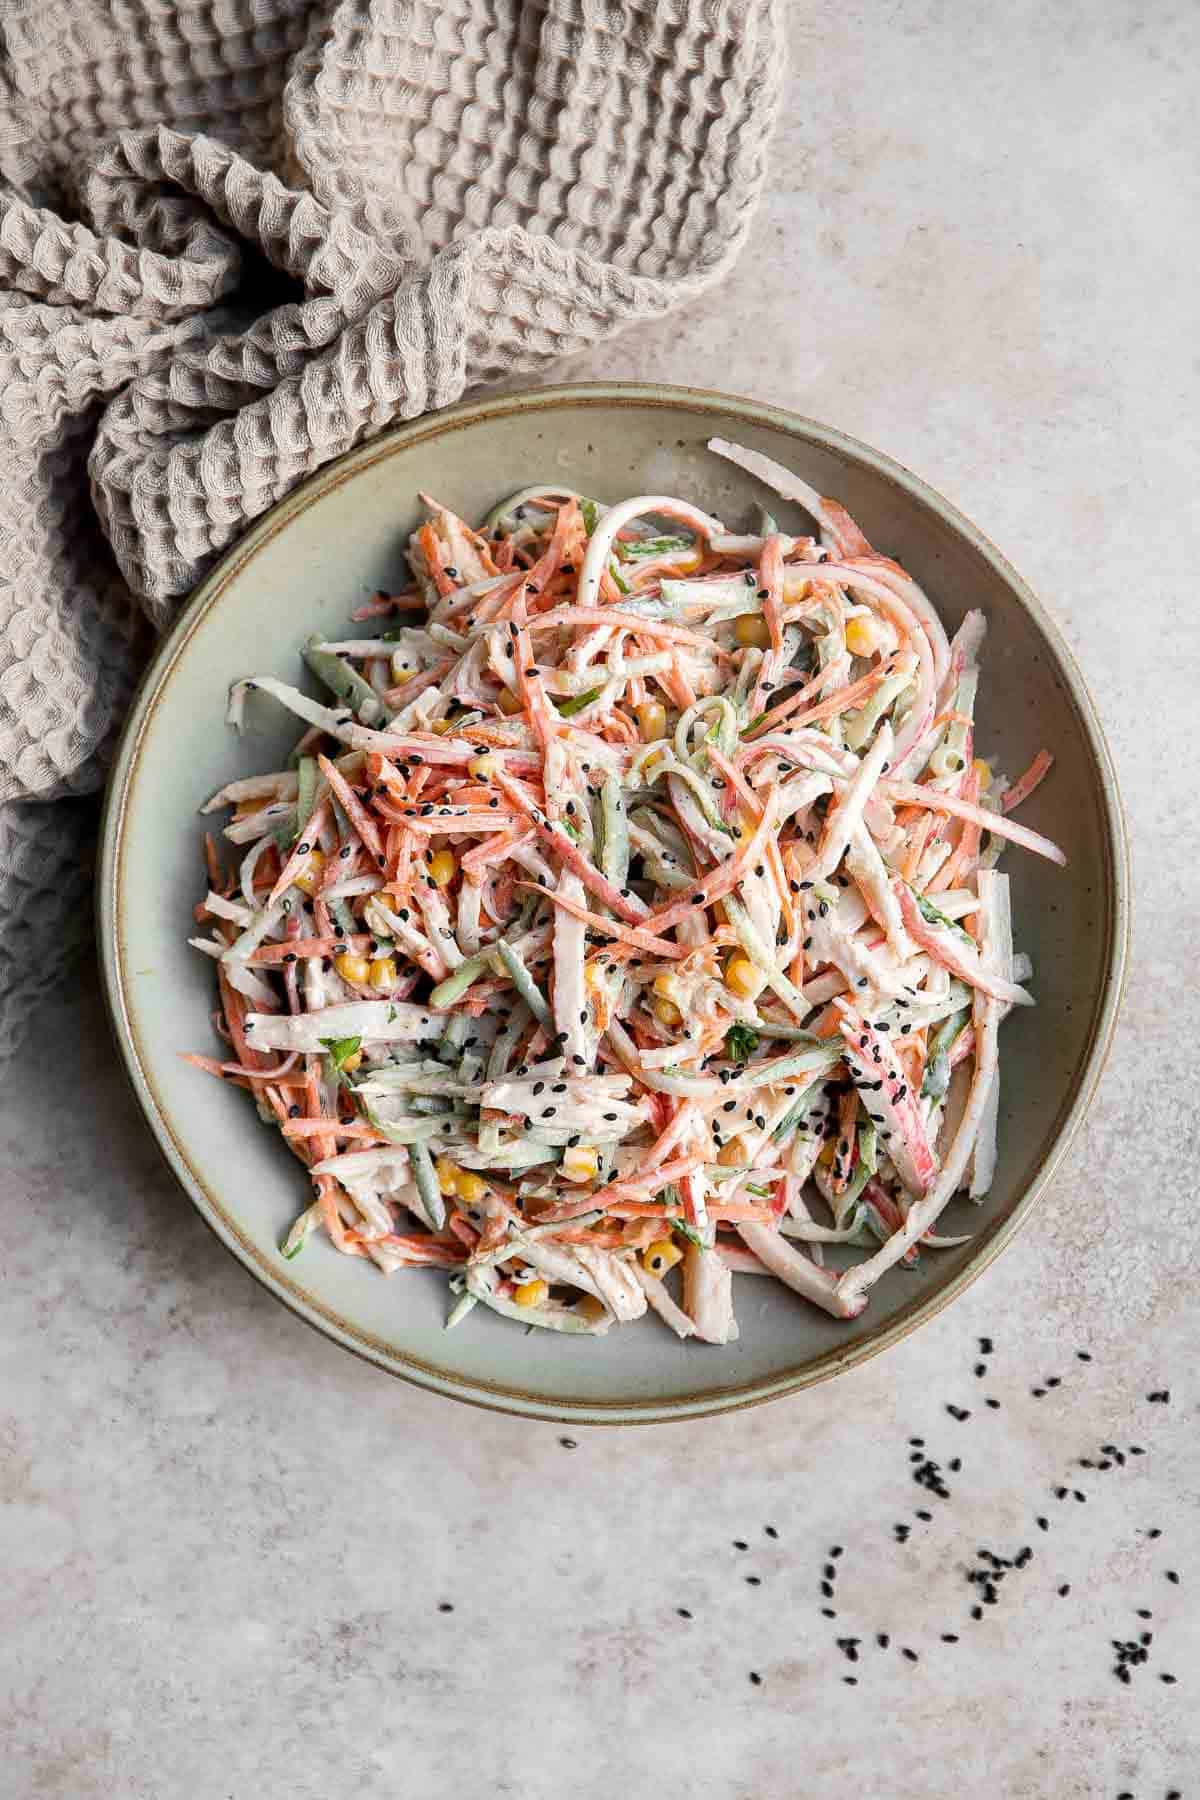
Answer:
[(237, 237)]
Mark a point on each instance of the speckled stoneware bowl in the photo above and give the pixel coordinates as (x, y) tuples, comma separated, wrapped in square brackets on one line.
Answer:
[(303, 568)]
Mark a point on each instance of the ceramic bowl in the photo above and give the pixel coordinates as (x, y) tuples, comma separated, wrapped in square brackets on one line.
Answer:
[(303, 567)]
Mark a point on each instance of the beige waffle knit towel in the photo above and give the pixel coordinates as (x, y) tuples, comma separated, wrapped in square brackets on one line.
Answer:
[(238, 237)]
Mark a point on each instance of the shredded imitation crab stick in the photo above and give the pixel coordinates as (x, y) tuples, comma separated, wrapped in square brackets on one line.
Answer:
[(638, 875)]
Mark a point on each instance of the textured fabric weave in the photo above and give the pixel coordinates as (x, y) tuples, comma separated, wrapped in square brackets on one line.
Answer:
[(237, 237)]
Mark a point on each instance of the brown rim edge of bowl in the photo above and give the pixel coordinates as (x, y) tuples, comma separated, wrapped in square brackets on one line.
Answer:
[(496, 1396)]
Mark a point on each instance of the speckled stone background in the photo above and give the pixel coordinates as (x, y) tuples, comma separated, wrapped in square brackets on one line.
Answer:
[(229, 1550)]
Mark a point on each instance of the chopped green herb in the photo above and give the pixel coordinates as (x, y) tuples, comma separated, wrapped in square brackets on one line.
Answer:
[(591, 512), (741, 1041), (341, 1049)]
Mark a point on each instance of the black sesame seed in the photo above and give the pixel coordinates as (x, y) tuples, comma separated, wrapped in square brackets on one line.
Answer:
[(568, 1443), (1064, 1590), (1173, 1576), (445, 1606), (753, 1580), (910, 1654), (1169, 1679), (882, 1639), (755, 1678)]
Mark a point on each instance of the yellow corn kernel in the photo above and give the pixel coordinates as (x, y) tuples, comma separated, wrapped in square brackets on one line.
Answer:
[(448, 1174), (309, 878), (580, 1162), (530, 1293), (652, 720), (442, 867), (666, 1011), (734, 1154), (984, 771), (350, 1063), (664, 985), (351, 967), (655, 759), (744, 823), (684, 561), (509, 702), (660, 1256), (383, 972), (751, 631), (592, 1309), (593, 977), (861, 639), (470, 1187), (482, 767), (827, 1154), (440, 727), (743, 979)]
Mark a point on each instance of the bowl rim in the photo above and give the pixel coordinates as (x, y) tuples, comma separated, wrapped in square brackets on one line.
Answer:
[(500, 1396)]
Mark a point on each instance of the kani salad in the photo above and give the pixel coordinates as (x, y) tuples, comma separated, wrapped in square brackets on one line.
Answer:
[(630, 900)]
